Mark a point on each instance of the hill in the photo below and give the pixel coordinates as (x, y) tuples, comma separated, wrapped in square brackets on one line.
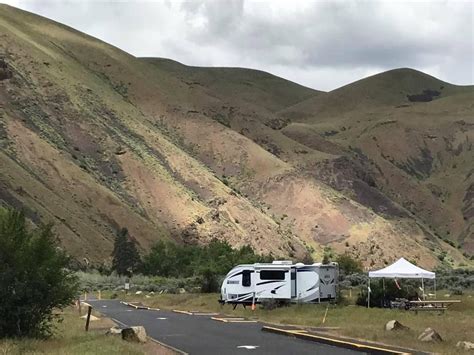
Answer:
[(94, 139)]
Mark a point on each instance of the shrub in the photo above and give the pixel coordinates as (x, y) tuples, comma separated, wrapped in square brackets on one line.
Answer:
[(271, 303), (34, 279), (348, 265), (380, 297), (209, 282)]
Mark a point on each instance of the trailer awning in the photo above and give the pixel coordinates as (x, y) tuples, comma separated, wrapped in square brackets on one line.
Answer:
[(402, 269)]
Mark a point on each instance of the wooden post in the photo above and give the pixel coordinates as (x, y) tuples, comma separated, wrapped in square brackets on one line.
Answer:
[(88, 319), (100, 296), (79, 306), (326, 313)]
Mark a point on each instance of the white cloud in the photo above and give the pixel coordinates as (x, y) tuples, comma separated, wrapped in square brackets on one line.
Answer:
[(322, 44)]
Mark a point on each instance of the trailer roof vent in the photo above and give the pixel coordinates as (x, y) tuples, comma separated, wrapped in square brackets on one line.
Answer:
[(282, 262)]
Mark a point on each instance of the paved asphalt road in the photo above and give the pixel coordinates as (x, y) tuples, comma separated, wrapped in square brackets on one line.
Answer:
[(196, 334)]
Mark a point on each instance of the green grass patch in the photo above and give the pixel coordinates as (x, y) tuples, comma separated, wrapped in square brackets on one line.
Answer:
[(71, 338)]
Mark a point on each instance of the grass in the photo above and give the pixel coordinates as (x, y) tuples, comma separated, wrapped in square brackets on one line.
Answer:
[(457, 324), (71, 338)]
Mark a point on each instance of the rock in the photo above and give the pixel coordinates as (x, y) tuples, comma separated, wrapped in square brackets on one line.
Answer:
[(138, 292), (114, 331), (395, 325), (466, 345), (430, 335), (120, 151), (136, 334), (93, 318), (181, 290)]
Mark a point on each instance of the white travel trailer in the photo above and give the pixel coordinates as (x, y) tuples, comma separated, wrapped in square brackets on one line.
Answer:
[(280, 280)]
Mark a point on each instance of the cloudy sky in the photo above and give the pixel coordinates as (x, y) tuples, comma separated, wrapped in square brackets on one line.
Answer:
[(321, 44)]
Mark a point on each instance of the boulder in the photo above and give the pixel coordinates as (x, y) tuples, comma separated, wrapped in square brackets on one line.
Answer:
[(395, 325), (138, 292), (93, 318), (114, 331), (136, 334), (181, 290), (465, 345), (430, 335)]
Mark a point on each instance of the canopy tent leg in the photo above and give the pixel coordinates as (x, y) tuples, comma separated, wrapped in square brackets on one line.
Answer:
[(368, 294), (435, 288), (423, 289), (383, 288)]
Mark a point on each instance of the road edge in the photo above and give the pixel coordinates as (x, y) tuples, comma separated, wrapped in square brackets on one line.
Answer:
[(371, 349)]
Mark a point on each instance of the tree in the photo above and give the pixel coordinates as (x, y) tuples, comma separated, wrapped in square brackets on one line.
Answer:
[(125, 254), (348, 265), (34, 278)]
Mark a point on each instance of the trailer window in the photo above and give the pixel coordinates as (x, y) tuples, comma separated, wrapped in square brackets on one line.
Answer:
[(246, 282), (272, 275)]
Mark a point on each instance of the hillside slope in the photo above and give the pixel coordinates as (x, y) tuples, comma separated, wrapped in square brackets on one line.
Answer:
[(94, 139), (412, 134)]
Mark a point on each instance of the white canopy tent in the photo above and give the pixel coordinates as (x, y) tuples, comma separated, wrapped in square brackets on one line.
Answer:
[(402, 269)]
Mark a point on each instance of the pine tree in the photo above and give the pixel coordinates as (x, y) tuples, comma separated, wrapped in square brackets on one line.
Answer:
[(126, 258)]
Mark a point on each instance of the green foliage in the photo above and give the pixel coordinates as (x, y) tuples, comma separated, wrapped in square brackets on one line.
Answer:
[(209, 281), (348, 265), (34, 279), (172, 260), (126, 259), (326, 259), (381, 297)]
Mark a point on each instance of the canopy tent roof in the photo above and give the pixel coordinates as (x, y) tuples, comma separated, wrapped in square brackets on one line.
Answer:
[(402, 269)]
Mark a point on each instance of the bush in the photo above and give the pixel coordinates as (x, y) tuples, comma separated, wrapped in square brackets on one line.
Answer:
[(271, 303), (209, 282), (34, 279), (381, 298), (348, 265)]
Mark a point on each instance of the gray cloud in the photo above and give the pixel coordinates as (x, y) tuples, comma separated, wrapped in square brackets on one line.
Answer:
[(321, 44)]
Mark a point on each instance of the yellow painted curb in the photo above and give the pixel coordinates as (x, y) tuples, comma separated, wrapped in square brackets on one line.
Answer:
[(333, 341), (233, 320), (183, 312)]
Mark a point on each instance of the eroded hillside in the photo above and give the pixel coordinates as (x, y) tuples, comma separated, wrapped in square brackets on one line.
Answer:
[(94, 139)]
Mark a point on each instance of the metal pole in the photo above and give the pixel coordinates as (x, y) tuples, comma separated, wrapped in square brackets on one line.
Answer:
[(368, 295), (435, 287), (383, 287), (423, 289)]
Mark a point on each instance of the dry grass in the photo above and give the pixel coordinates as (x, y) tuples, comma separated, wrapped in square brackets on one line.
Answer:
[(353, 321), (71, 338)]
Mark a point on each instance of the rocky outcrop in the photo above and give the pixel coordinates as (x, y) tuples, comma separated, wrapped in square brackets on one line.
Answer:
[(5, 72)]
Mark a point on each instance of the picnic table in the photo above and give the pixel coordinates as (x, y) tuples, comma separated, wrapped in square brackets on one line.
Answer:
[(430, 305)]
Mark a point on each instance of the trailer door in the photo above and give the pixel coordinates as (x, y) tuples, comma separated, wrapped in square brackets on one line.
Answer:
[(293, 283)]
